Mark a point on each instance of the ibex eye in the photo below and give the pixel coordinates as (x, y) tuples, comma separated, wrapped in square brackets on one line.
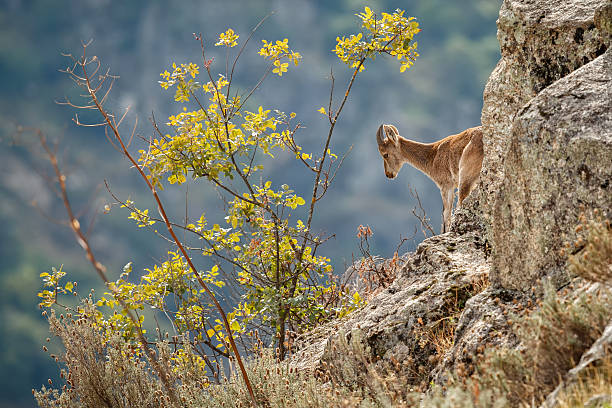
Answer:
[(385, 155)]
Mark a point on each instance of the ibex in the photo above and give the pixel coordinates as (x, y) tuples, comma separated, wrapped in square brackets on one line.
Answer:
[(453, 162)]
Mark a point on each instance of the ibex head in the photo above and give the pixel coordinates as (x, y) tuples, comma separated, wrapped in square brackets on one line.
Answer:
[(389, 148)]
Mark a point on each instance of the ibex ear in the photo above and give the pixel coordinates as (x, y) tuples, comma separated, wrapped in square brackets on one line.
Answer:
[(380, 137), (392, 133)]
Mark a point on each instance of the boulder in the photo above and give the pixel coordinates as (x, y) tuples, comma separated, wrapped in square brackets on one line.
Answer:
[(541, 41), (558, 164)]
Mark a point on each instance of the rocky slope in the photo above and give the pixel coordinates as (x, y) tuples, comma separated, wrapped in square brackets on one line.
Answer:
[(547, 120), (441, 279)]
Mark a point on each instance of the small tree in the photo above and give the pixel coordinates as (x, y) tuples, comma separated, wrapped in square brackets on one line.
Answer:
[(270, 258)]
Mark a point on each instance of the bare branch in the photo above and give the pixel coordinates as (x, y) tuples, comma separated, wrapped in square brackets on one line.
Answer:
[(110, 122), (419, 212), (100, 268)]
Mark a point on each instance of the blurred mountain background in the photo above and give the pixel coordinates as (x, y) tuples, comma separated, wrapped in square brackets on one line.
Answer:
[(440, 95)]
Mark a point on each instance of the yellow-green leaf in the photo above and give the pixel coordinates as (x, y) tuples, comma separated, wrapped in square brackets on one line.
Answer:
[(235, 326)]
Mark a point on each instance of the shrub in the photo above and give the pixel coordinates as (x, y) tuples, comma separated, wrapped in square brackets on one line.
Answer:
[(552, 340), (593, 259), (268, 257)]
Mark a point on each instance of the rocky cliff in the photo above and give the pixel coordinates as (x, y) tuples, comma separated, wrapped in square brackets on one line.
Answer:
[(547, 118), (547, 121)]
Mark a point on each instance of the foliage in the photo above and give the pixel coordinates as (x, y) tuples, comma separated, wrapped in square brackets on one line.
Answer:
[(52, 282), (265, 256), (391, 34), (285, 285)]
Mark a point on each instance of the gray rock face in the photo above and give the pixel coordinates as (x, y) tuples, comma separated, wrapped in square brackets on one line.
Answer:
[(541, 41), (559, 160), (482, 324)]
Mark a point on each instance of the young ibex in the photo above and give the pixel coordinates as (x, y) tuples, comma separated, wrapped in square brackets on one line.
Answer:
[(453, 162)]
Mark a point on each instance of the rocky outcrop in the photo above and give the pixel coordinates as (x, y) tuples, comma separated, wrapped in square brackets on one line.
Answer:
[(558, 164), (540, 42), (445, 279)]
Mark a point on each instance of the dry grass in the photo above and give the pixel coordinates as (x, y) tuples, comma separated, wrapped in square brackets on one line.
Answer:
[(591, 390), (593, 259), (553, 338), (110, 372), (350, 365)]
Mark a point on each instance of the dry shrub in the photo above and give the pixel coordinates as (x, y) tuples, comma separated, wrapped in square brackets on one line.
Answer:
[(110, 372), (553, 338), (593, 389), (467, 395), (480, 283), (593, 261), (351, 366), (98, 372), (371, 274)]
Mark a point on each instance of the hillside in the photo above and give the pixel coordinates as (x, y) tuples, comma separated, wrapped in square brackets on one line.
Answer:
[(512, 307)]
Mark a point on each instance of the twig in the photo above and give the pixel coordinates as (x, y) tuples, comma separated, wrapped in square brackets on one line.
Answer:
[(101, 269)]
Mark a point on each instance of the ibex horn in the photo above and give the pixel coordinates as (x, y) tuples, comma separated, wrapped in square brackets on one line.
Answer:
[(391, 132), (380, 138)]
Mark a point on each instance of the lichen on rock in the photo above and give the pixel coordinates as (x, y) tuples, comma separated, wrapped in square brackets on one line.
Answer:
[(555, 168), (541, 42)]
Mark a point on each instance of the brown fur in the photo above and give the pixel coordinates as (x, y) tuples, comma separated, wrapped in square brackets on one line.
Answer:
[(453, 162)]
